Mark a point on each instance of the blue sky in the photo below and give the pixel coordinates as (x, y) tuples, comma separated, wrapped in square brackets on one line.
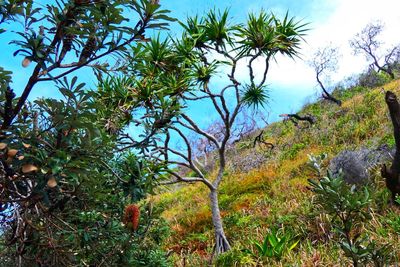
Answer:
[(291, 82)]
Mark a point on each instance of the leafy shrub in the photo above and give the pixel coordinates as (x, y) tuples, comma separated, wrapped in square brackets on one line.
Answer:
[(317, 161), (348, 207), (348, 93), (153, 230)]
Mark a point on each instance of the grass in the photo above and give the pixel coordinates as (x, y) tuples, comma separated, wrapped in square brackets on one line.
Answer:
[(276, 194)]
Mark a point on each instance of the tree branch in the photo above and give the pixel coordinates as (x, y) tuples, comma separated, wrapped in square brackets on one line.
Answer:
[(197, 129)]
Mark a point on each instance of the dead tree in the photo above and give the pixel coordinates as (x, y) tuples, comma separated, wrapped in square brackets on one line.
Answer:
[(391, 175), (366, 43), (324, 61), (295, 118)]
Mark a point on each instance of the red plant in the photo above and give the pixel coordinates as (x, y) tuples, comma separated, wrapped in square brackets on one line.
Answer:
[(131, 217)]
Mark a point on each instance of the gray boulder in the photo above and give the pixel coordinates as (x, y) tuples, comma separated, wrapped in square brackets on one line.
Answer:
[(355, 165)]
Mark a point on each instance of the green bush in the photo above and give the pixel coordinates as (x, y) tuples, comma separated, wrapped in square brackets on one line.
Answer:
[(394, 220), (348, 208)]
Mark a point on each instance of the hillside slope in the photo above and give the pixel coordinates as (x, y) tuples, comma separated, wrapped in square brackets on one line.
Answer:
[(275, 193)]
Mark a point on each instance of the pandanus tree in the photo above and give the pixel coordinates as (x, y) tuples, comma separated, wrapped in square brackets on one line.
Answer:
[(62, 192), (186, 71)]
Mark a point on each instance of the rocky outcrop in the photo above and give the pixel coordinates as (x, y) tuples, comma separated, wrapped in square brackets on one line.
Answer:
[(354, 165)]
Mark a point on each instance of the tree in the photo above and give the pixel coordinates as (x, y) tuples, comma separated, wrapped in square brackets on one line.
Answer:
[(63, 187), (186, 67), (366, 42), (325, 61)]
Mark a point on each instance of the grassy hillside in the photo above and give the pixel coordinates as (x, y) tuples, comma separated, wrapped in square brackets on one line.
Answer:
[(276, 194)]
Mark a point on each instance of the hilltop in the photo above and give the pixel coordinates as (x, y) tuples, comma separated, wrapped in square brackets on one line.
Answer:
[(274, 193)]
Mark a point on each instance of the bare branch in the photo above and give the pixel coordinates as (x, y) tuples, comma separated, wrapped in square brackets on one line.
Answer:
[(191, 179), (197, 129)]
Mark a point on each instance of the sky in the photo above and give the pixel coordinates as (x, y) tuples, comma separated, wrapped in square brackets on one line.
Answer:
[(291, 82)]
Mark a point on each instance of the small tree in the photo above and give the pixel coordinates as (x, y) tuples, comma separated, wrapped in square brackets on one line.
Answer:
[(366, 42), (325, 61), (185, 68), (349, 208)]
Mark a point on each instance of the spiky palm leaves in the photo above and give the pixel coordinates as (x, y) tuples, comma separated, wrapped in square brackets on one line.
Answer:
[(214, 29), (266, 34), (255, 96)]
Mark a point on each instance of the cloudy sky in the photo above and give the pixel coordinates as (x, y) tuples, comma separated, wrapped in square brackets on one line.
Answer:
[(291, 82)]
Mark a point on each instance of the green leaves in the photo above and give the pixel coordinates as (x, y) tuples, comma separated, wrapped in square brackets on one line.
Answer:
[(337, 197), (194, 30), (33, 47), (258, 33), (58, 152), (77, 185), (275, 245), (5, 76), (149, 10), (216, 27), (348, 207), (204, 73), (290, 33), (11, 9), (267, 34), (255, 96)]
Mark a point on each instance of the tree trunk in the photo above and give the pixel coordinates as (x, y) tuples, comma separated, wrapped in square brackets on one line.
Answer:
[(327, 95), (221, 242), (392, 174)]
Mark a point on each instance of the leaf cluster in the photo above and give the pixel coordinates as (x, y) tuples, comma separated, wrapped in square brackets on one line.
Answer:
[(349, 208), (275, 245)]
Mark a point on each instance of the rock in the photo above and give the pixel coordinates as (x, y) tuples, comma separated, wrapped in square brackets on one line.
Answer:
[(356, 164)]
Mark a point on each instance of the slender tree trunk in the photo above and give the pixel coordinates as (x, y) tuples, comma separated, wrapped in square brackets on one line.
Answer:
[(327, 95), (221, 242)]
